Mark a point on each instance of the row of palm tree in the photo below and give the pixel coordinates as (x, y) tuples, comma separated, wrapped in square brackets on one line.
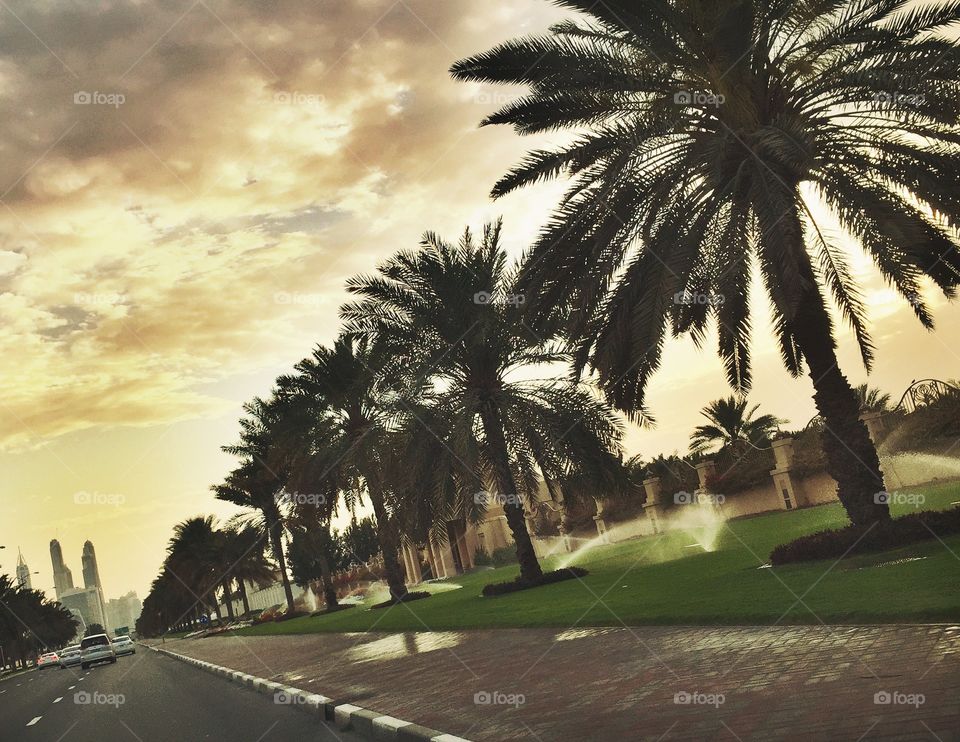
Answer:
[(30, 623), (709, 135), (203, 564)]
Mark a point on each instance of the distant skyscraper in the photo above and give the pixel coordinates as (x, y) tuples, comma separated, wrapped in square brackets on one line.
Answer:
[(85, 602), (124, 611), (91, 576), (23, 573), (62, 576)]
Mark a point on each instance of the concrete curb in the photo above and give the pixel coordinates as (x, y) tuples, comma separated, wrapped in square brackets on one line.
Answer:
[(371, 724)]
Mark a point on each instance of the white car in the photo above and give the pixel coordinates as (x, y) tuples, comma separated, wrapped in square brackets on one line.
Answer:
[(96, 648), (47, 659), (123, 645), (69, 656)]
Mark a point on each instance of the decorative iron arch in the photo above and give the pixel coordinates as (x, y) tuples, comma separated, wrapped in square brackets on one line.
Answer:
[(925, 392)]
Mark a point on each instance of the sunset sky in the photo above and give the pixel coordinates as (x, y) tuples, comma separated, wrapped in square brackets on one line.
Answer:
[(185, 188)]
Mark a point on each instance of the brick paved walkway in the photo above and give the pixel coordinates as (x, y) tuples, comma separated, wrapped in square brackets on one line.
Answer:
[(746, 683)]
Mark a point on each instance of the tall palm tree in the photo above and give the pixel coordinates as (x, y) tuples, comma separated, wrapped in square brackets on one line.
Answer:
[(448, 317), (194, 556), (732, 424), (711, 133), (243, 551), (872, 399), (348, 453), (254, 485)]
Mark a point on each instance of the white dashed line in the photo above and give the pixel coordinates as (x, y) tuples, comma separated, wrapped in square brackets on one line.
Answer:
[(71, 687), (57, 700), (34, 721)]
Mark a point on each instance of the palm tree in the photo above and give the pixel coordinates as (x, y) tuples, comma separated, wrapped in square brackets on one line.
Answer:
[(871, 399), (348, 452), (195, 557), (710, 132), (448, 318), (254, 486), (244, 547), (315, 553), (731, 424)]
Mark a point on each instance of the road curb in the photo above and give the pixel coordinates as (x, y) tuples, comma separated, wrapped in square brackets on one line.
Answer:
[(371, 724)]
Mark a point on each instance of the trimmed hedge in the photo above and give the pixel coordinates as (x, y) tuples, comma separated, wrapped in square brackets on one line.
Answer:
[(845, 542), (548, 578)]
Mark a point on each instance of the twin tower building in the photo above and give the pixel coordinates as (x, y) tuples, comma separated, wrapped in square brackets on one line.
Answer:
[(85, 602)]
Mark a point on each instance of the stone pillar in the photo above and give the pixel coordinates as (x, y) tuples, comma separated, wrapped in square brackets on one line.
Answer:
[(653, 506), (411, 558), (788, 492), (601, 522), (706, 470), (876, 426), (445, 559)]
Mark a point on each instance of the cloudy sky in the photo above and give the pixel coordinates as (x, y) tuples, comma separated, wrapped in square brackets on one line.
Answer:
[(184, 188)]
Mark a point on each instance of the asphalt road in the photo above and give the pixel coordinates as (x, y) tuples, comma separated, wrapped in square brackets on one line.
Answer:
[(147, 697)]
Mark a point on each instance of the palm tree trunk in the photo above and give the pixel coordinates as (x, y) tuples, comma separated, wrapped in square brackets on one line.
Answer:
[(526, 555), (227, 597), (389, 545), (243, 596), (329, 591), (276, 542), (851, 455)]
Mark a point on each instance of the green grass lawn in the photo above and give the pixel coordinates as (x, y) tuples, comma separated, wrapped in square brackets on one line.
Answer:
[(661, 580)]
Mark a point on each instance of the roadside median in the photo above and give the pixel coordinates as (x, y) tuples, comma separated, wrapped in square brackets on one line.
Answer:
[(347, 716)]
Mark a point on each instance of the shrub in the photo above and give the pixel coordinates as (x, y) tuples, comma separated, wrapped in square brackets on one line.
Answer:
[(845, 542), (548, 578), (503, 556), (481, 558)]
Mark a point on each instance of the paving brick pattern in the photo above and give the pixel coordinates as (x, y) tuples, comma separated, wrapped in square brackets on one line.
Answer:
[(650, 683)]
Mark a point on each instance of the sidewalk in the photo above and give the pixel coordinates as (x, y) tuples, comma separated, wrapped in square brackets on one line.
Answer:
[(650, 683)]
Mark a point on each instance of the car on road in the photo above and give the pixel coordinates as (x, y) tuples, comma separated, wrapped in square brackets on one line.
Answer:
[(96, 648), (123, 645), (47, 659), (69, 656)]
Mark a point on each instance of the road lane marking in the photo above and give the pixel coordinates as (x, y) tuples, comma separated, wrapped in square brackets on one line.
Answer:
[(71, 687), (34, 721), (57, 700)]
